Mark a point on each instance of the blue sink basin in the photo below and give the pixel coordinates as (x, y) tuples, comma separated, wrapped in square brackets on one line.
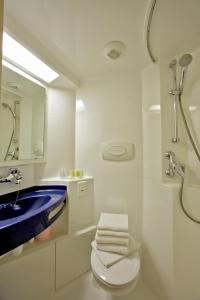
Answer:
[(30, 215), (10, 210)]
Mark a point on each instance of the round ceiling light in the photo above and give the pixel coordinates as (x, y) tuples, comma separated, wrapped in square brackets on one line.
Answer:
[(113, 50)]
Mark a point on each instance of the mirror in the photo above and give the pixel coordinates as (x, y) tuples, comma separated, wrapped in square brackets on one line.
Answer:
[(22, 117)]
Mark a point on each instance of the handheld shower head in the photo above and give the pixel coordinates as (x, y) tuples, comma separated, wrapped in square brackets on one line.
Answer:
[(6, 105), (184, 62)]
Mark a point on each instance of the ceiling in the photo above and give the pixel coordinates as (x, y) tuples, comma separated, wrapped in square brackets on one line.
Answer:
[(175, 27), (73, 32)]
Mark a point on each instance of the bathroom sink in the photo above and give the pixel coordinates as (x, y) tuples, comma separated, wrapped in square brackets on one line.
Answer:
[(36, 209), (10, 210)]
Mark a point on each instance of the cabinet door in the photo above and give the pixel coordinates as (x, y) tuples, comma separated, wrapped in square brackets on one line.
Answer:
[(72, 258), (1, 33), (29, 277), (81, 205)]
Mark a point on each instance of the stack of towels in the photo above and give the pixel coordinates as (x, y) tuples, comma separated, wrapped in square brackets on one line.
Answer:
[(113, 241)]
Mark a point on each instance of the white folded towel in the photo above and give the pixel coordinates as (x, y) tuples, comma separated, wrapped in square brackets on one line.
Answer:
[(108, 259), (112, 233), (116, 222), (120, 249), (112, 240)]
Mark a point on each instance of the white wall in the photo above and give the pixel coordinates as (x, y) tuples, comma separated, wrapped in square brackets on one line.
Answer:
[(157, 205), (60, 135), (38, 125), (112, 112)]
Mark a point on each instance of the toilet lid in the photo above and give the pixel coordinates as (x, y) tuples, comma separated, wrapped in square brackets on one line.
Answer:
[(121, 273)]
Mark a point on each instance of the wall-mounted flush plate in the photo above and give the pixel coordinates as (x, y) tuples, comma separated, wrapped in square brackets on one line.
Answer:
[(118, 151), (82, 188)]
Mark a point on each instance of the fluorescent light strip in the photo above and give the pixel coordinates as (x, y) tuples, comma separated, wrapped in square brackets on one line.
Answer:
[(20, 72), (16, 53)]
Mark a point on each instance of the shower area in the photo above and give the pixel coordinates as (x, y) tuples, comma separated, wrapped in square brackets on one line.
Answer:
[(10, 125), (171, 155), (171, 176)]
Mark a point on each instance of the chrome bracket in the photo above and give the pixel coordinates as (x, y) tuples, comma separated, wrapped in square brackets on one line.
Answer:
[(175, 92), (169, 172)]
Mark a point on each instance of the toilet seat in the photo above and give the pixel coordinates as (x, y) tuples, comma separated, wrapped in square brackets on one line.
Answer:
[(121, 274)]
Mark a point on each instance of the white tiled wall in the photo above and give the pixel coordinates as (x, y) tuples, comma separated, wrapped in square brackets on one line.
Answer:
[(112, 112), (60, 139), (157, 199)]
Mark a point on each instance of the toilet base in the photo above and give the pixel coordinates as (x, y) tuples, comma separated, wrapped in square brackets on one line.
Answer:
[(121, 278), (116, 291)]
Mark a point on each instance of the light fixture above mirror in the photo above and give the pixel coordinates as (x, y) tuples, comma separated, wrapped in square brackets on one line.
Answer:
[(22, 58)]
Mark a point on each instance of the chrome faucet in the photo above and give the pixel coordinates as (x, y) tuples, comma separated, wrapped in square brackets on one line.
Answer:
[(14, 176), (174, 167)]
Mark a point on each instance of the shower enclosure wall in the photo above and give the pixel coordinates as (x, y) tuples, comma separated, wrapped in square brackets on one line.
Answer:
[(171, 240)]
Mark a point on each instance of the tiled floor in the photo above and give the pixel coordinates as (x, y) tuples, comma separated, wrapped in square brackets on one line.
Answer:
[(86, 288)]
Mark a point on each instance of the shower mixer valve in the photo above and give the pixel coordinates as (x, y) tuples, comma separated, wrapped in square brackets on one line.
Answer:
[(174, 167)]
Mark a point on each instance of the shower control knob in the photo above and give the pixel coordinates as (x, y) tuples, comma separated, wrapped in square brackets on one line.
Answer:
[(170, 172), (167, 155)]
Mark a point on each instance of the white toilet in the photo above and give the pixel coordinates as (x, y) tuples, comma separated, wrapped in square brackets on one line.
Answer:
[(120, 278)]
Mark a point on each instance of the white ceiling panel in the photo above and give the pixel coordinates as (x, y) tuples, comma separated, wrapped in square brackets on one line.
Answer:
[(75, 31)]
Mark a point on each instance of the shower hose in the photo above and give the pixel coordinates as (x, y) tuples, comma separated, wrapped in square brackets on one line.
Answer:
[(198, 156)]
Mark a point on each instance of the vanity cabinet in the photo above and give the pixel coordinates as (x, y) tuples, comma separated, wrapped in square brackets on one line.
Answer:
[(72, 258), (29, 277), (39, 273)]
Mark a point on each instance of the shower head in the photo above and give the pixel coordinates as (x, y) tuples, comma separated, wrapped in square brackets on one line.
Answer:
[(184, 62), (6, 105)]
